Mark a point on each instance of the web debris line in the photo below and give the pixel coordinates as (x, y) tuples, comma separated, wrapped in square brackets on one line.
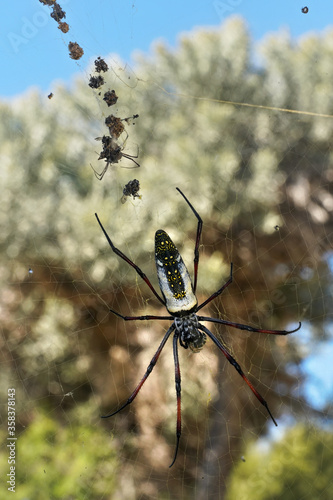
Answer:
[(246, 104)]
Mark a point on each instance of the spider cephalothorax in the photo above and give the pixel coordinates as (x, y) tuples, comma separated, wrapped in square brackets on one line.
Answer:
[(178, 296), (189, 333)]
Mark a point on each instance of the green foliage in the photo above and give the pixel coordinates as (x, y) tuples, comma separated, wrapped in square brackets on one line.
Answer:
[(62, 462), (246, 169), (300, 465)]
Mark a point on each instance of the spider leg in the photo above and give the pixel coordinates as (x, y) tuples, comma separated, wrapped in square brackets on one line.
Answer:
[(130, 157), (197, 242), (126, 259), (101, 175), (237, 367), (132, 318), (178, 392), (219, 291), (248, 328), (146, 375)]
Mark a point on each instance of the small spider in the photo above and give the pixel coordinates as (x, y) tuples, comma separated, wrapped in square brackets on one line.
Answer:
[(112, 153), (178, 297)]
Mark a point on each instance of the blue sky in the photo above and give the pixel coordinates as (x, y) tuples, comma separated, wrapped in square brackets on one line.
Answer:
[(318, 370), (34, 51)]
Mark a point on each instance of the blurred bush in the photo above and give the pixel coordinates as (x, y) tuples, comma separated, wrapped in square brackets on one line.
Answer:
[(261, 180)]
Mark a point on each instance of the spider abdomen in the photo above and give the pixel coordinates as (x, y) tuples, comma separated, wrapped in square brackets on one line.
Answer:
[(189, 333), (173, 276)]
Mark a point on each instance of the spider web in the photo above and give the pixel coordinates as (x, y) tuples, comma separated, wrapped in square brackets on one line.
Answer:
[(260, 178)]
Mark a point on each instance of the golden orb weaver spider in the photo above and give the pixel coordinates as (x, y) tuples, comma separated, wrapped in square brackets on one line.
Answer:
[(178, 297)]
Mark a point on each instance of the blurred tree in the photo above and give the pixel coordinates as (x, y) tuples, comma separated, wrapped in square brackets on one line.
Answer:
[(262, 182), (62, 462), (297, 466)]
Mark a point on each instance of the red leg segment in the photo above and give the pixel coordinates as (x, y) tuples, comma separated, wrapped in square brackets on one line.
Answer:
[(148, 372), (219, 291), (126, 259), (237, 367), (197, 242), (178, 392), (132, 318), (248, 328)]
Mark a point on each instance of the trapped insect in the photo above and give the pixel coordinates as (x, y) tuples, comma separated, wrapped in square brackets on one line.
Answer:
[(178, 297), (112, 153), (131, 189)]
